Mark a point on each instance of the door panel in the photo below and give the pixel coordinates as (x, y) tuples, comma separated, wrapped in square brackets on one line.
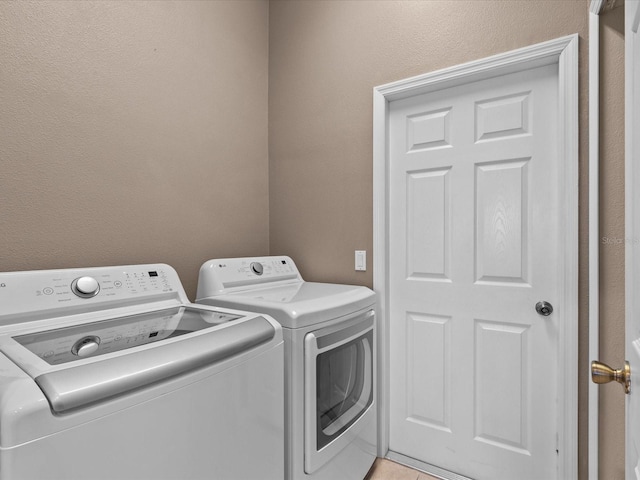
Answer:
[(473, 366), (429, 391), (428, 234), (502, 252), (502, 414)]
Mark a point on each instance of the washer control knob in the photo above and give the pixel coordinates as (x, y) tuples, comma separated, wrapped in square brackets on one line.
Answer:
[(86, 346), (256, 267), (85, 287)]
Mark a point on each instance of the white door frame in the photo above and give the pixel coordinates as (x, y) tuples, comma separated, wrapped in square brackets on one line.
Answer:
[(563, 52)]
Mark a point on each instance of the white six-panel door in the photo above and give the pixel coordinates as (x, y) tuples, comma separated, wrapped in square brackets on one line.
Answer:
[(474, 237)]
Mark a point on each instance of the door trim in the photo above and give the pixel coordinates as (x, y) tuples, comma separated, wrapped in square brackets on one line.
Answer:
[(563, 52)]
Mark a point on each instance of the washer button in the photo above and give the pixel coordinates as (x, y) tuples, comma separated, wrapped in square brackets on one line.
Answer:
[(47, 290)]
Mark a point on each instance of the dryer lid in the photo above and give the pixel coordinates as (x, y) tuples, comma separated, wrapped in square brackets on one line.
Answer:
[(300, 304)]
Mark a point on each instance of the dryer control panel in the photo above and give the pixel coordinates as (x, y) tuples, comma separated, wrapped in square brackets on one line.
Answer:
[(23, 293), (221, 275)]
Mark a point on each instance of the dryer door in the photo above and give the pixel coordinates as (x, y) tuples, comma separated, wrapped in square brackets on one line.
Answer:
[(339, 364)]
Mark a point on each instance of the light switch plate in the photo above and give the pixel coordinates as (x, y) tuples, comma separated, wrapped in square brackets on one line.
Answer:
[(361, 260)]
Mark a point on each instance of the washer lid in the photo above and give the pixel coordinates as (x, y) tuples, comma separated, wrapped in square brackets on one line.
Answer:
[(63, 345), (300, 304), (131, 352)]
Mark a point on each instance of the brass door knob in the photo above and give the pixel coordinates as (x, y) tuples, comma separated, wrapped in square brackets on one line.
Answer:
[(603, 373)]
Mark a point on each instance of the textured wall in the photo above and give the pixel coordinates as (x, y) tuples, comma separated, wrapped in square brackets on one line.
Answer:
[(612, 239), (137, 132), (325, 57), (132, 132)]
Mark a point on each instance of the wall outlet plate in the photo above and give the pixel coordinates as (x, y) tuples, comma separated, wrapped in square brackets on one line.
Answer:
[(361, 260)]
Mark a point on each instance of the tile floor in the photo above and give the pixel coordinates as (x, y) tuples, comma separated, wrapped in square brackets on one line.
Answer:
[(384, 469)]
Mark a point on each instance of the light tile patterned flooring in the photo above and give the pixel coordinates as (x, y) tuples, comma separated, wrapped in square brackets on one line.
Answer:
[(384, 469)]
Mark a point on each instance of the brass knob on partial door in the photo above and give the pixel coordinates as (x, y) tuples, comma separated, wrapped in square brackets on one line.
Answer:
[(603, 373)]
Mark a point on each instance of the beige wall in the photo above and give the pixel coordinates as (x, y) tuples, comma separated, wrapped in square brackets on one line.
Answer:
[(612, 235), (136, 132), (325, 57), (132, 132)]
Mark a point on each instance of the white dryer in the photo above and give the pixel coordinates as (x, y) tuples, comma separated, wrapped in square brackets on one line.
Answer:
[(110, 373), (329, 333)]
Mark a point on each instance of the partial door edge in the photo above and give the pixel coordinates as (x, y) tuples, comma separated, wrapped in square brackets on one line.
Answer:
[(563, 52), (632, 201), (596, 8)]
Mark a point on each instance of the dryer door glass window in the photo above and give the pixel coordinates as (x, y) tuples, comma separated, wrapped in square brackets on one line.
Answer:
[(344, 379)]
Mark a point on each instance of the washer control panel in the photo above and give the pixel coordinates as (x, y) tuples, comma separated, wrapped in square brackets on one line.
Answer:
[(33, 291)]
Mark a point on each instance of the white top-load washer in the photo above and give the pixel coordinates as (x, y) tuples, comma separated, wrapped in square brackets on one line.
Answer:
[(110, 373), (329, 333)]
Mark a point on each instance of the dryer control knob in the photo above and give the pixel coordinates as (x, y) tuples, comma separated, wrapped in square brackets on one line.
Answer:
[(256, 267), (85, 287)]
